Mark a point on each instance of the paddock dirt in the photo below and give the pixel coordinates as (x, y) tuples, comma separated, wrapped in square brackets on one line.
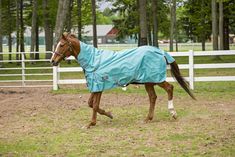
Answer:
[(17, 103)]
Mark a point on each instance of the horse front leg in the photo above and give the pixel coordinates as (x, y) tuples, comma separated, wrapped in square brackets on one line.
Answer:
[(90, 101), (94, 102), (100, 111)]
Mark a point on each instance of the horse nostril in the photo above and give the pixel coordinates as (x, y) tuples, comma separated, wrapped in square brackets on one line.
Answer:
[(54, 63)]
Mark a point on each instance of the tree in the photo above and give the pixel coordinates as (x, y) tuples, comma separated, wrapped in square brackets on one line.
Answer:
[(60, 18), (7, 25), (229, 21), (79, 5), (149, 23), (221, 25), (226, 25), (48, 27), (33, 30), (93, 5), (1, 56), (69, 20), (203, 36), (173, 24), (10, 27), (17, 30), (69, 16), (155, 23), (143, 22), (195, 21), (214, 24), (37, 40), (128, 21), (21, 20)]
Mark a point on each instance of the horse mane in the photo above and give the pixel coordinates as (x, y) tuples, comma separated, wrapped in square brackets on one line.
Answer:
[(73, 35)]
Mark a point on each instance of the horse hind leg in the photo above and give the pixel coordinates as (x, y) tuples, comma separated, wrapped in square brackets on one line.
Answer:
[(169, 89), (149, 87)]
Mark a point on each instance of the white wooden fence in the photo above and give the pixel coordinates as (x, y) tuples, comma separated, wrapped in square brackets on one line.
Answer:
[(22, 72), (191, 67)]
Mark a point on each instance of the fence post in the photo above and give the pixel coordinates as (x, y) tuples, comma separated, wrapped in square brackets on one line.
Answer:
[(55, 78), (191, 69), (23, 68), (58, 73)]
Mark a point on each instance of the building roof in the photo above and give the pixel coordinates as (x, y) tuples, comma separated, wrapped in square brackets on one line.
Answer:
[(113, 32), (102, 30)]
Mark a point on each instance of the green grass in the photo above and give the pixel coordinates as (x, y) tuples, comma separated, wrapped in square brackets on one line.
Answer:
[(212, 89), (117, 47)]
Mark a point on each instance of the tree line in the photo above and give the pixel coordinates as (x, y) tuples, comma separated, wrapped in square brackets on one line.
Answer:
[(177, 20), (144, 20)]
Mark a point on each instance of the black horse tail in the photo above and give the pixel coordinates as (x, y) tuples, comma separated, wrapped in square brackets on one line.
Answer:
[(175, 72)]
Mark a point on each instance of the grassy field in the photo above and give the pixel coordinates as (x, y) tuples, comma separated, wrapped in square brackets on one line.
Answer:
[(46, 123), (117, 47)]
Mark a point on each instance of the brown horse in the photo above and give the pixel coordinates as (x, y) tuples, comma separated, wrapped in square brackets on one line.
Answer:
[(69, 45)]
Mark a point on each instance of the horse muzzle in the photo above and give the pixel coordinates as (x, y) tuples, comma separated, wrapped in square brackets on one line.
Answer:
[(53, 63)]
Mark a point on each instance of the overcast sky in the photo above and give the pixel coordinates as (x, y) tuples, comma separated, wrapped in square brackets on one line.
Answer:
[(103, 5)]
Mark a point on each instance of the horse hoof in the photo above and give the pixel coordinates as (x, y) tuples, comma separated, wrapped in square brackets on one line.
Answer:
[(110, 115), (148, 120), (174, 116), (90, 125), (173, 113)]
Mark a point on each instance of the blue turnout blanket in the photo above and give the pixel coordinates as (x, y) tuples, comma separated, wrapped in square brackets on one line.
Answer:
[(108, 69)]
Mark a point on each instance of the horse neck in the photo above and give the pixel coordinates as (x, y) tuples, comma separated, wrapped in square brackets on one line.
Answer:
[(76, 46)]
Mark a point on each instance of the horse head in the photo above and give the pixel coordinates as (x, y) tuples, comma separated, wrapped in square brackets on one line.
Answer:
[(68, 45)]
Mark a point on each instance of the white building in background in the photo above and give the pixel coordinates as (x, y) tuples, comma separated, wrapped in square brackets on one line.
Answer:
[(105, 34)]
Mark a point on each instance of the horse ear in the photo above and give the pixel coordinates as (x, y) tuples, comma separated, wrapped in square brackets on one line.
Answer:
[(72, 35), (64, 35)]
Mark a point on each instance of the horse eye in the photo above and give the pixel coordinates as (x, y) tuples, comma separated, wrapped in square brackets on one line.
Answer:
[(61, 45)]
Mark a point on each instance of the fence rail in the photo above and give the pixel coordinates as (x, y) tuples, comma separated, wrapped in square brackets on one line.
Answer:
[(21, 72), (55, 81), (190, 66)]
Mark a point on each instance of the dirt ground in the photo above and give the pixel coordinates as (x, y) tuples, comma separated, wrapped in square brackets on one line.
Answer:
[(30, 102), (213, 116)]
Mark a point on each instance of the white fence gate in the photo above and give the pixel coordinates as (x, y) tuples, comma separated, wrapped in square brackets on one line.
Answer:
[(191, 66)]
